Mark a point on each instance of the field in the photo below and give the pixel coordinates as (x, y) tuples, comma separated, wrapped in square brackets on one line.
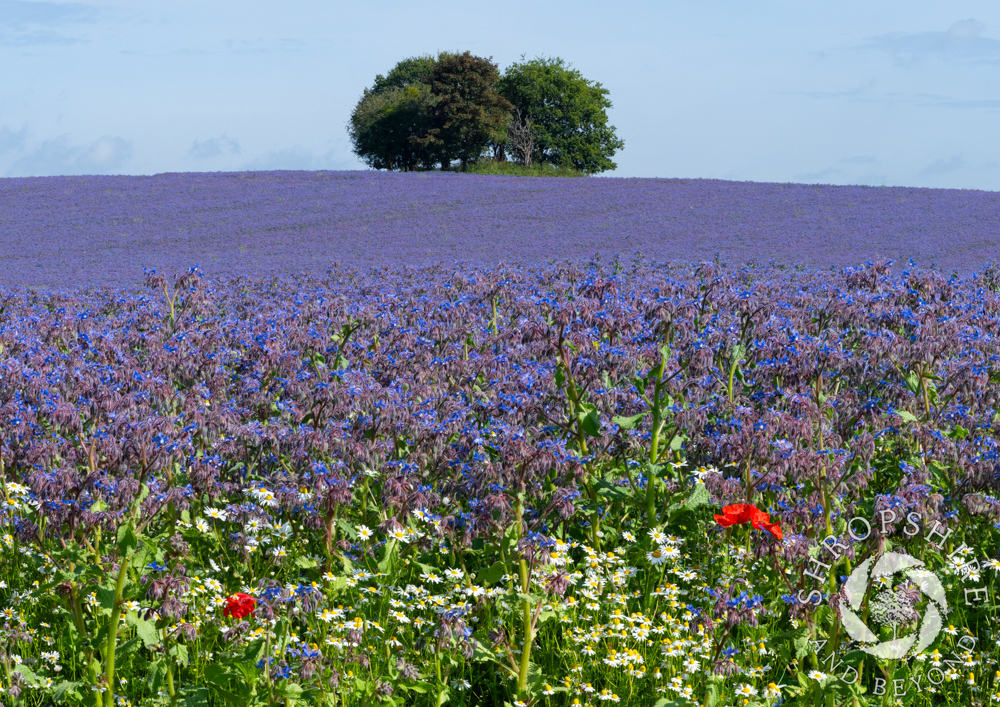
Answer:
[(58, 232), (606, 482)]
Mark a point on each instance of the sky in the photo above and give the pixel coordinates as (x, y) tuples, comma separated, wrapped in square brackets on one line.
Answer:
[(896, 93)]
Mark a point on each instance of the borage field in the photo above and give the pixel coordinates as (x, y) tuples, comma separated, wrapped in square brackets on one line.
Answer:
[(604, 482)]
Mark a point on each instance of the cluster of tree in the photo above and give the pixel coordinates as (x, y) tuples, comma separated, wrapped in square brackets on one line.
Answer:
[(432, 111)]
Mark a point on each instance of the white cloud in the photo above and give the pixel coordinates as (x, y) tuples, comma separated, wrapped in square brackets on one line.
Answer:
[(11, 141), (221, 145), (963, 40), (28, 23), (942, 166), (105, 155)]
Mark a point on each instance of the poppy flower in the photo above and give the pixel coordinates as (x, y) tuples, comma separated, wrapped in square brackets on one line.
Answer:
[(239, 605), (747, 513)]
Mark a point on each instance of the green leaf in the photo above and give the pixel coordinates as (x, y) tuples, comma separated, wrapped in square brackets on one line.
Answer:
[(491, 575), (105, 597), (66, 688), (180, 653), (853, 658), (248, 671), (237, 697), (699, 497), (536, 679), (907, 416), (629, 423), (481, 653), (714, 695), (305, 562), (612, 491), (145, 630), (509, 539), (157, 675), (347, 528), (677, 441), (664, 702), (590, 420), (336, 586), (656, 470), (801, 643), (255, 651), (419, 687), (219, 674), (958, 432), (388, 560), (126, 540), (348, 565), (142, 555), (291, 690), (195, 697), (124, 650)]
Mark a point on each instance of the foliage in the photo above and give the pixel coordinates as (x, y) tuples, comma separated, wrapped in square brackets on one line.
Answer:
[(383, 125), (513, 169), (409, 72), (468, 111), (495, 486), (570, 121)]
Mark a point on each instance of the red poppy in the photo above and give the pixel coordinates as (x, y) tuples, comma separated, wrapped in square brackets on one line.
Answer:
[(239, 606), (746, 513)]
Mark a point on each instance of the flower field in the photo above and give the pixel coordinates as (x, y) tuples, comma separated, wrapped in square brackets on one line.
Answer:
[(580, 484), (58, 232)]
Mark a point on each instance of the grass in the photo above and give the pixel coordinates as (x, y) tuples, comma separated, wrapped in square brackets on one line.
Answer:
[(514, 169)]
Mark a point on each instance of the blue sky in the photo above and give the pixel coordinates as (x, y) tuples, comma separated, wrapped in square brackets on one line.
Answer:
[(890, 93)]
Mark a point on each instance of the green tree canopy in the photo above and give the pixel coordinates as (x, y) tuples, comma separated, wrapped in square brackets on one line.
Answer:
[(408, 72), (383, 127), (469, 113), (567, 112)]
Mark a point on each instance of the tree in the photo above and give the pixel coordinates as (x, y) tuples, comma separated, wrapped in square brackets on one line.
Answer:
[(568, 112), (469, 113), (409, 72), (397, 108), (520, 137), (383, 125)]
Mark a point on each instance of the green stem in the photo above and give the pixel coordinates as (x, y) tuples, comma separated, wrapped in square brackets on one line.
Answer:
[(522, 675), (77, 609), (116, 614), (170, 670), (654, 451)]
